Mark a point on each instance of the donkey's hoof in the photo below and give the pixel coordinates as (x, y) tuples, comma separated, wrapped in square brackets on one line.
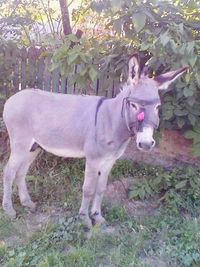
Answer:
[(29, 204), (10, 212), (85, 220), (97, 219)]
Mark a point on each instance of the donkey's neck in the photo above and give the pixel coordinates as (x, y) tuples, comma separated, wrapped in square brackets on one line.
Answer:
[(115, 122), (118, 118)]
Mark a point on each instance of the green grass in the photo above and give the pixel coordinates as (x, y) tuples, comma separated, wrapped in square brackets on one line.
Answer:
[(169, 237)]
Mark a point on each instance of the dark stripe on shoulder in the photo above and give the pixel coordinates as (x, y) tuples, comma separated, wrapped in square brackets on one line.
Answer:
[(99, 103)]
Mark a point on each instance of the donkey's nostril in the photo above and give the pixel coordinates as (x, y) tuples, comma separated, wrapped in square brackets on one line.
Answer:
[(153, 143), (140, 145)]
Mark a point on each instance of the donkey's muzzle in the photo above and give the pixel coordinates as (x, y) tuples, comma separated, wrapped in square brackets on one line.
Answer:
[(146, 146)]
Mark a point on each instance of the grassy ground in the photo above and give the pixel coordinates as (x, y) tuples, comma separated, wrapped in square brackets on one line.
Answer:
[(153, 218)]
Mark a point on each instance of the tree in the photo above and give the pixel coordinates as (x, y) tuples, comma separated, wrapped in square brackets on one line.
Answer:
[(65, 17)]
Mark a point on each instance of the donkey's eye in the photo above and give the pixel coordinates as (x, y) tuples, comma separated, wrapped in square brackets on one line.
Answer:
[(134, 106)]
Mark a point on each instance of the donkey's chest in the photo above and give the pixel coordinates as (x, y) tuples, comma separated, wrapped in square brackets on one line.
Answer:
[(113, 148), (121, 148)]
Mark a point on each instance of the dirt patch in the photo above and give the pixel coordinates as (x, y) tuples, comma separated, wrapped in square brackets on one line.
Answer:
[(117, 195)]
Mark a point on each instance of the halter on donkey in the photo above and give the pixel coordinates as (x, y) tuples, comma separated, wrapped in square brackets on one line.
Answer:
[(81, 126)]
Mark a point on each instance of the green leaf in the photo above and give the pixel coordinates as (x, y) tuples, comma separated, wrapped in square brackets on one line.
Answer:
[(168, 114), (192, 183), (196, 150), (197, 77), (148, 189), (139, 21), (192, 119), (83, 71), (180, 122), (192, 60), (195, 110), (189, 134), (133, 194), (191, 100), (83, 57), (180, 112), (181, 184), (190, 47), (164, 38), (187, 77), (157, 180), (145, 46), (73, 38), (187, 92), (72, 57), (93, 74), (141, 193)]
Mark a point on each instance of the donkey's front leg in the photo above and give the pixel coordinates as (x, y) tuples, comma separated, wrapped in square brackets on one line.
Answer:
[(89, 185), (100, 190)]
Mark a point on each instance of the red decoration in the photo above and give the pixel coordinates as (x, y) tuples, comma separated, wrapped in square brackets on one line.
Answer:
[(140, 116)]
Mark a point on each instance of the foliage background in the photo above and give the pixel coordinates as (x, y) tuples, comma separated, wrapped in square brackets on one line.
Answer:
[(167, 32)]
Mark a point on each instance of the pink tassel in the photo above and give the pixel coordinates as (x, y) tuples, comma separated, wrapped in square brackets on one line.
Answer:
[(140, 116)]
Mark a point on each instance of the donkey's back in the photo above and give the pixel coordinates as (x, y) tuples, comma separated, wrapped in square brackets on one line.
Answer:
[(58, 123)]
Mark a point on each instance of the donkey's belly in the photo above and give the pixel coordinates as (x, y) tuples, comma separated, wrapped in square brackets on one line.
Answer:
[(65, 152)]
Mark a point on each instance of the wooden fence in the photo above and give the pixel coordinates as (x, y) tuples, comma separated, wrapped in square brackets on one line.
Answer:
[(29, 68)]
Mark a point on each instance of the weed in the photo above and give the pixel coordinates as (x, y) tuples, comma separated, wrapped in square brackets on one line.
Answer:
[(116, 214), (177, 186)]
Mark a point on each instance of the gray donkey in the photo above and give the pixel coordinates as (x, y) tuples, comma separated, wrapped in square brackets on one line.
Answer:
[(93, 127)]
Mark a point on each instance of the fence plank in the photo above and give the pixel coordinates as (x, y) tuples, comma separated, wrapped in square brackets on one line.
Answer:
[(40, 68), (8, 65), (23, 68), (32, 56), (15, 55), (70, 88), (55, 80), (47, 74), (64, 85)]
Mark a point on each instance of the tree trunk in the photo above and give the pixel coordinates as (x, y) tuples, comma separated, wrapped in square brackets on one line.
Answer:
[(65, 17)]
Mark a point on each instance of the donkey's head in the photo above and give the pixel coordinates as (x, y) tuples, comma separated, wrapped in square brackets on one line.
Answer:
[(140, 108)]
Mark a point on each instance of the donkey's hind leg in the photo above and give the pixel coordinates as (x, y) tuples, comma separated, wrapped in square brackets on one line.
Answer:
[(24, 196), (9, 176)]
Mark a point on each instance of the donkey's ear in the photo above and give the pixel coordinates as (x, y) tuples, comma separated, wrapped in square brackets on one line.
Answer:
[(163, 81), (134, 69)]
